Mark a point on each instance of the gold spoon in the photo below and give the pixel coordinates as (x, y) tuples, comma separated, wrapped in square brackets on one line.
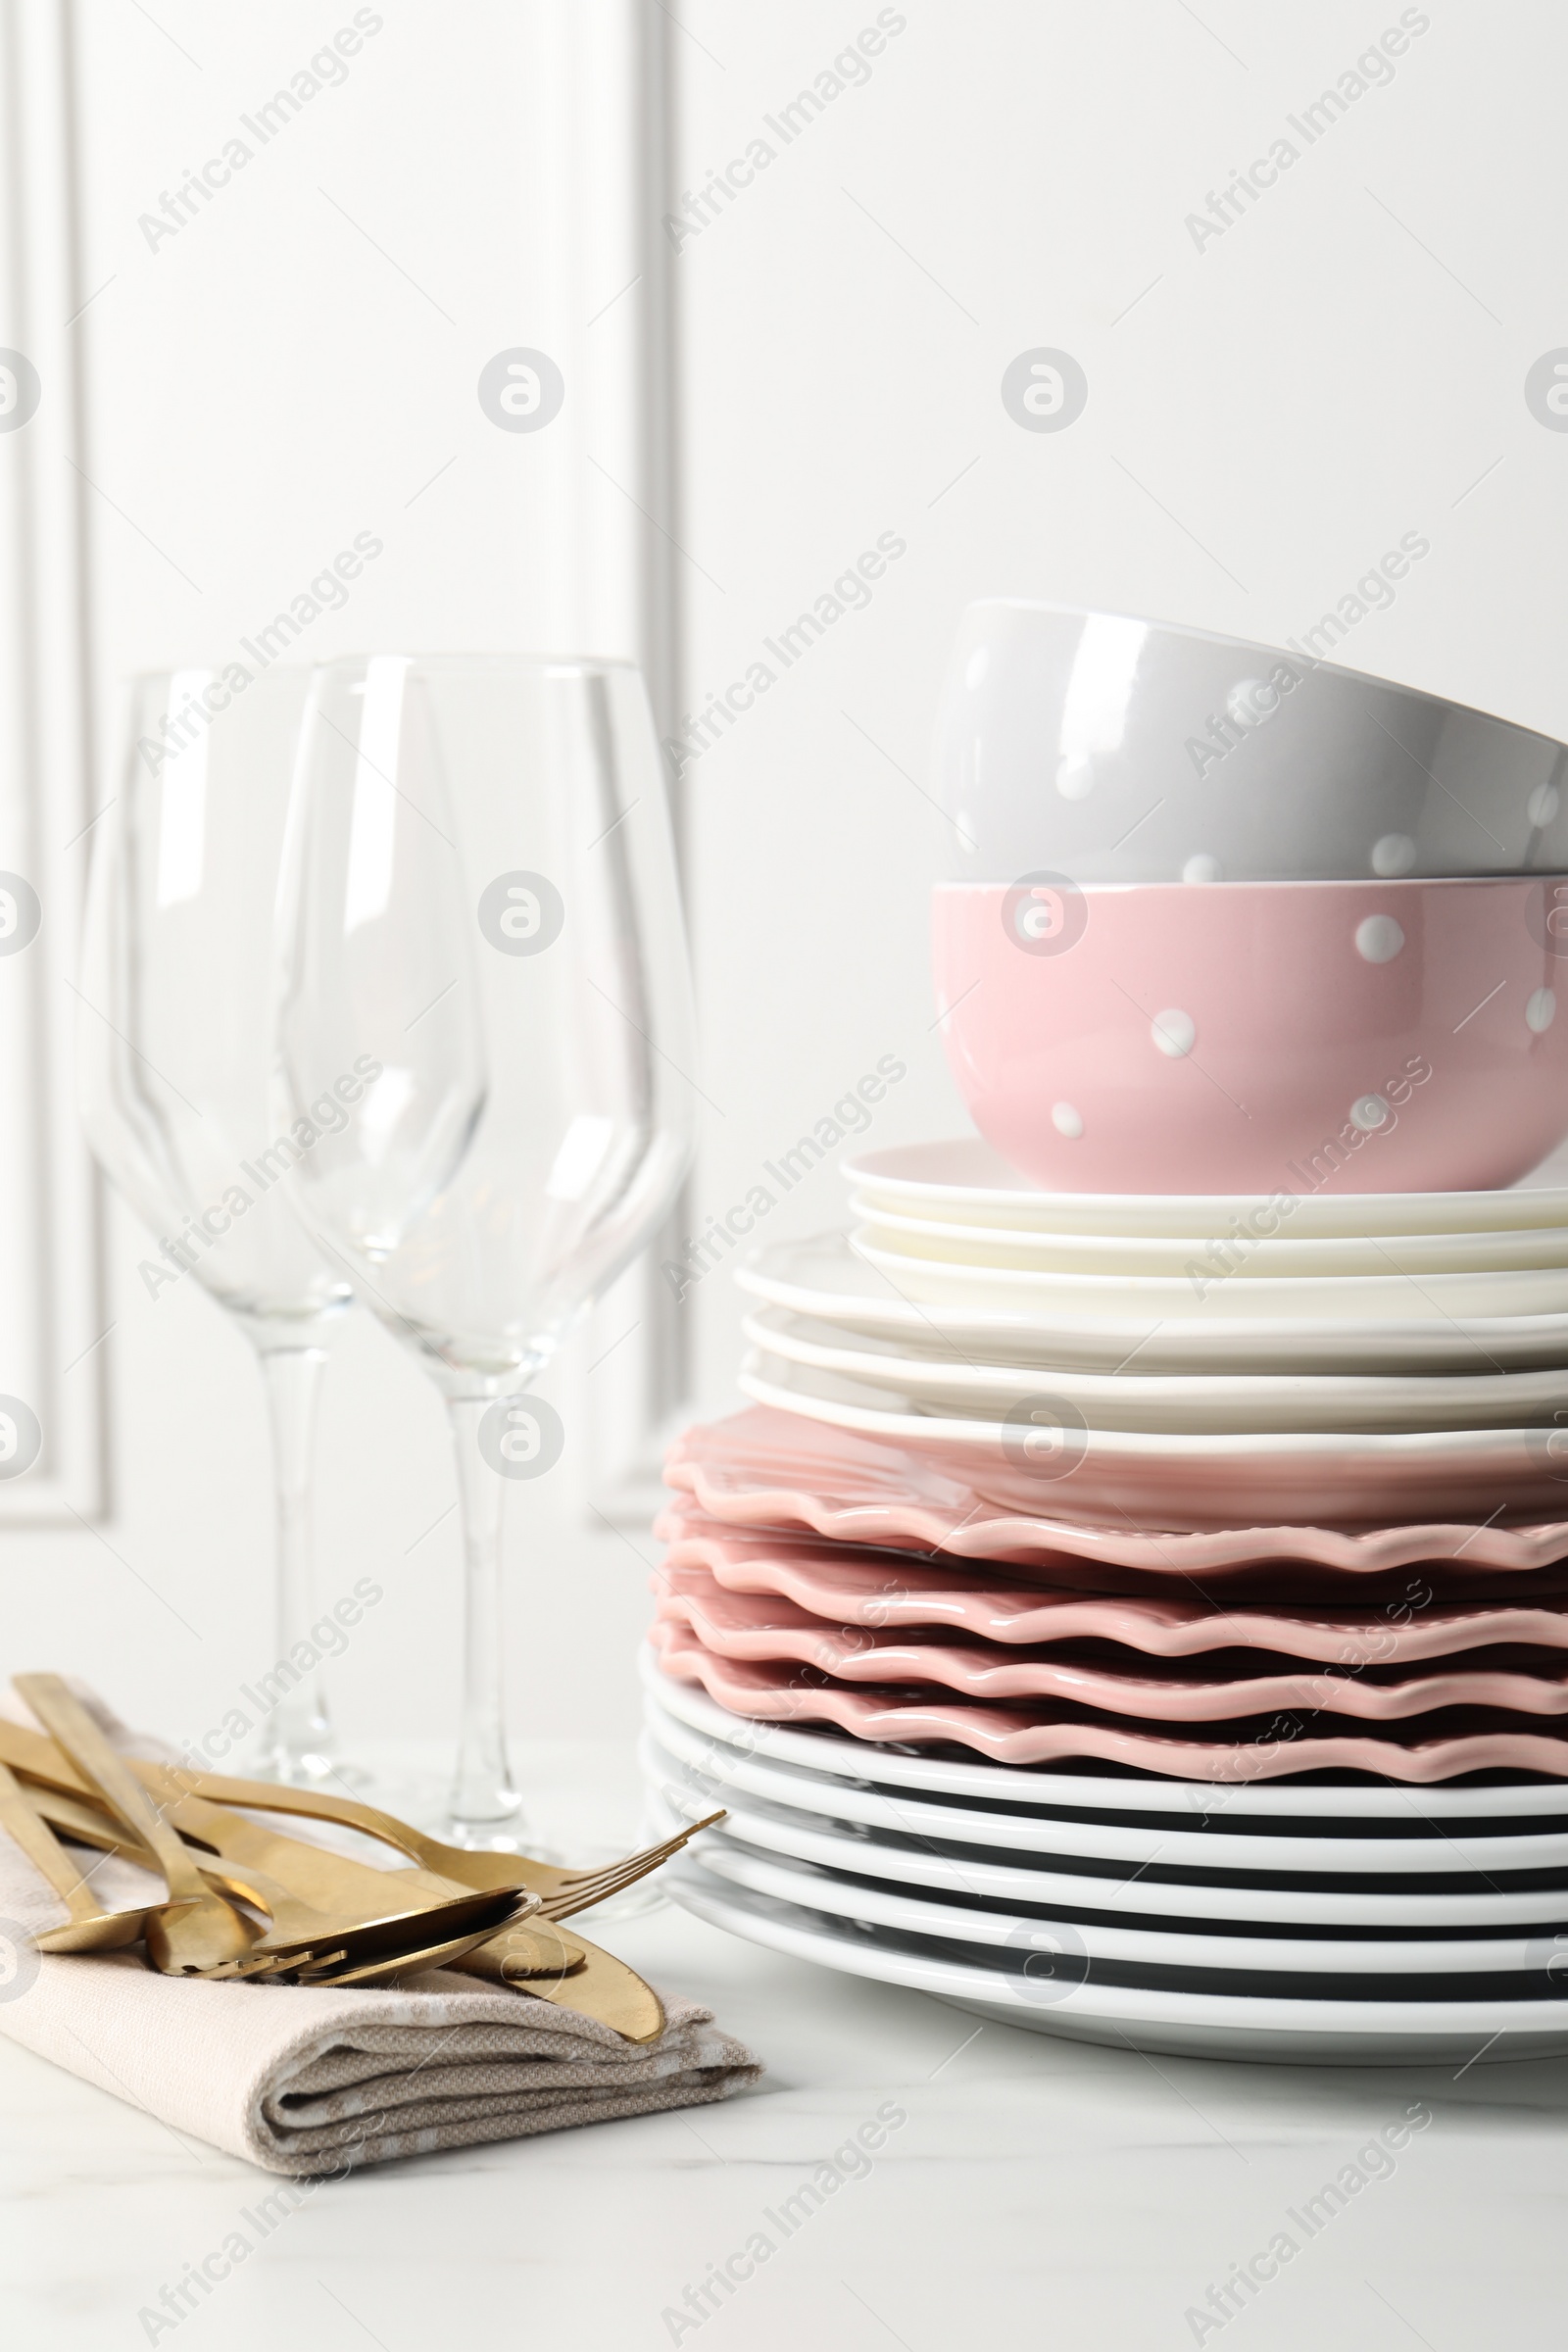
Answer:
[(195, 1930)]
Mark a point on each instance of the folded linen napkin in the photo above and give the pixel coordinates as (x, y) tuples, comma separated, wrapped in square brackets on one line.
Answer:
[(307, 2079)]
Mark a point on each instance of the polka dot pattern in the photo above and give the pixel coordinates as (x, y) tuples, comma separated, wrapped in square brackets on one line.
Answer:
[(1379, 939), (1066, 1121), (1174, 1032), (1249, 702), (1395, 854)]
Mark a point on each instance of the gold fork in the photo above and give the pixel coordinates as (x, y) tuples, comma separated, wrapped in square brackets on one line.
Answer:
[(563, 1892), (580, 1889)]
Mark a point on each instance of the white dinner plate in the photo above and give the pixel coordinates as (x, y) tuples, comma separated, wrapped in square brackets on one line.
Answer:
[(830, 1757), (1325, 2032), (1194, 1403), (1046, 1460), (942, 1281), (852, 1852), (824, 1278), (1234, 1251), (1023, 1943), (966, 1182), (1226, 1845)]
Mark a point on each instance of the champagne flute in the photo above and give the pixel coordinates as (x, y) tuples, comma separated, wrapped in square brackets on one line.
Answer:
[(481, 914), (178, 1029)]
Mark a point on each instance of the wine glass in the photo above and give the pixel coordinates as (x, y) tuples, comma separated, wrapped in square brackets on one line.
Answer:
[(178, 1035), (484, 961)]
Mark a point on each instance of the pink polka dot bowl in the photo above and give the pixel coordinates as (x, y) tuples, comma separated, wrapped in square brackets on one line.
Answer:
[(1361, 1036)]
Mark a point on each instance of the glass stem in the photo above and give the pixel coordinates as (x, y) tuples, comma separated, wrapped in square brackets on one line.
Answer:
[(298, 1739), (485, 1807)]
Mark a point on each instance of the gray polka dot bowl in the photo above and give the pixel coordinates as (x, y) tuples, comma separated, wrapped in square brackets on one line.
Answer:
[(1115, 750)]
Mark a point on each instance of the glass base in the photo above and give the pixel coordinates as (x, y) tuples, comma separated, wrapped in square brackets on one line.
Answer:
[(511, 1835), (423, 1797), (308, 1770)]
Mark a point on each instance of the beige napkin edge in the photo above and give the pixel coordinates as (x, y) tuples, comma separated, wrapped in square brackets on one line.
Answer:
[(213, 2062)]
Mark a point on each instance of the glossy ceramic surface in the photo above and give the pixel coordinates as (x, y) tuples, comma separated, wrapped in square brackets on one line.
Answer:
[(1354, 1037), (1413, 1854), (758, 1629), (964, 1180), (1084, 1947), (850, 1589), (824, 1762), (773, 1469), (1259, 1248), (1120, 750), (1325, 2031), (824, 1278), (848, 1849), (1012, 1734), (1195, 1403), (1044, 1457), (1211, 1292)]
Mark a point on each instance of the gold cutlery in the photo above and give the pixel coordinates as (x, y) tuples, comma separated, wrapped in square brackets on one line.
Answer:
[(543, 1961), (195, 1929), (89, 1929), (302, 1941), (563, 1892), (325, 1888), (536, 1956)]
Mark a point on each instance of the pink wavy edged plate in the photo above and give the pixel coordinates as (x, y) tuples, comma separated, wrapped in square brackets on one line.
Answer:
[(847, 1586), (762, 1467), (764, 1630), (775, 1695), (1182, 1479)]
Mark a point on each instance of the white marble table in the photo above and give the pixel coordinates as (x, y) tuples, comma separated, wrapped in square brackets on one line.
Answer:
[(1039, 2193)]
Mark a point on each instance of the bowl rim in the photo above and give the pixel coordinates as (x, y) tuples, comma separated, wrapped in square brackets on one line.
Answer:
[(1254, 645), (1506, 876)]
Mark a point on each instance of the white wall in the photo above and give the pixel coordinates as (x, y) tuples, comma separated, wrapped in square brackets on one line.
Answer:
[(1267, 413), (1265, 416), (260, 387)]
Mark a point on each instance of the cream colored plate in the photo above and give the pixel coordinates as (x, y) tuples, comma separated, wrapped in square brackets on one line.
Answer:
[(1194, 1404), (965, 1181), (824, 1278), (1337, 1298), (1262, 1246)]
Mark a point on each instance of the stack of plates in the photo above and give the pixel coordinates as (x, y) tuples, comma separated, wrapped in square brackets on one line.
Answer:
[(1226, 1705), (1312, 1922), (1363, 1358)]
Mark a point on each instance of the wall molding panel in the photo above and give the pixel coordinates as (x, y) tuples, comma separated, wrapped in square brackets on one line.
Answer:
[(51, 1301)]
